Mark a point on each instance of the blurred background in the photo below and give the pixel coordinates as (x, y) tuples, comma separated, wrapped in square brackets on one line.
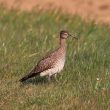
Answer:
[(87, 9)]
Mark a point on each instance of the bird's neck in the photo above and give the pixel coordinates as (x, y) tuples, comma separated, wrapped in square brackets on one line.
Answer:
[(63, 44)]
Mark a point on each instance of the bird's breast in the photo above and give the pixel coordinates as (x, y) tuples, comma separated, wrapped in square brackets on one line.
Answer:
[(59, 65)]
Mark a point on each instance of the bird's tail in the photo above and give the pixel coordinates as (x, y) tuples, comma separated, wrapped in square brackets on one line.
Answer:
[(30, 75)]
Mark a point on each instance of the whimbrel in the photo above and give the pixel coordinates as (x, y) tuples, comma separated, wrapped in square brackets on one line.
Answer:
[(53, 63)]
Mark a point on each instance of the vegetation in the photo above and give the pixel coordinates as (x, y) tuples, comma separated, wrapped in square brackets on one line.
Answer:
[(84, 84)]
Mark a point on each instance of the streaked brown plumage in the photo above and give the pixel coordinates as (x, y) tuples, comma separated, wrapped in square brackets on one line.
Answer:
[(53, 63)]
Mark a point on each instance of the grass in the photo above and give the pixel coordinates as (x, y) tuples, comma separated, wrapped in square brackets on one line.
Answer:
[(84, 84)]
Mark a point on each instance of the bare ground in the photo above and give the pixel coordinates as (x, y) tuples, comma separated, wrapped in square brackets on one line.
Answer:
[(98, 10)]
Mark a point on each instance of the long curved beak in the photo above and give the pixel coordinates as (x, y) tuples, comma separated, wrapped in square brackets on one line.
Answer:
[(74, 36)]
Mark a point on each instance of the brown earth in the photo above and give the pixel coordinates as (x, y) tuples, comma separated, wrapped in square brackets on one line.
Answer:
[(98, 10)]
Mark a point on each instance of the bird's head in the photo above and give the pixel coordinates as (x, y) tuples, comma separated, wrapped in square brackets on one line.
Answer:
[(65, 34)]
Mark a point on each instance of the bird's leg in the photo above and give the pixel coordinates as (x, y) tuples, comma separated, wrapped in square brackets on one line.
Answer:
[(49, 78), (55, 76)]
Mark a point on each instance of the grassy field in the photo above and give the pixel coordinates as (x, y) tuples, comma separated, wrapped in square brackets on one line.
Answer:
[(84, 84)]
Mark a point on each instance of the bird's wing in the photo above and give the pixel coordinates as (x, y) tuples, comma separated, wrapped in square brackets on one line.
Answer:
[(44, 64)]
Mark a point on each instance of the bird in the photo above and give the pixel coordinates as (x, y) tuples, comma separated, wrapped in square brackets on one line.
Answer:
[(52, 63)]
